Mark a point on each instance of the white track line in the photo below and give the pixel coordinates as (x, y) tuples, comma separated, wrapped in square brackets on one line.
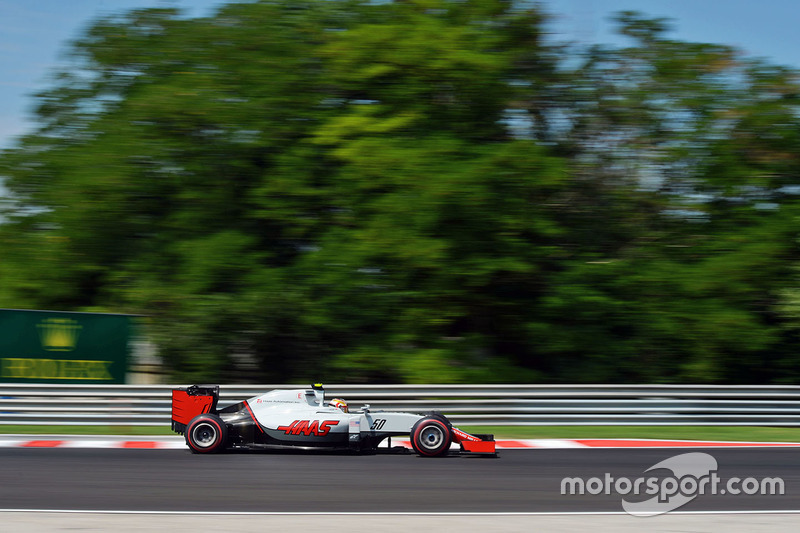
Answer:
[(177, 443), (392, 513)]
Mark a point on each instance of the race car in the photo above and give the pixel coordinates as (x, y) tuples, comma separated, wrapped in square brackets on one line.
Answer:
[(301, 418)]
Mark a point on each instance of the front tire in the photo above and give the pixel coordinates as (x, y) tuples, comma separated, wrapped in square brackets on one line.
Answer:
[(206, 434), (431, 436)]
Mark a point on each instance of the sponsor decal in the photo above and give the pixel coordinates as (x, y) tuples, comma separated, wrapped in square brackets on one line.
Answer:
[(465, 436), (309, 427)]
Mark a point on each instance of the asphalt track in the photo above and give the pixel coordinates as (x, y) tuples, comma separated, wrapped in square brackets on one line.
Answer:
[(516, 482)]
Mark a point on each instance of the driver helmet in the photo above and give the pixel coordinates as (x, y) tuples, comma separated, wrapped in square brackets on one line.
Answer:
[(339, 404)]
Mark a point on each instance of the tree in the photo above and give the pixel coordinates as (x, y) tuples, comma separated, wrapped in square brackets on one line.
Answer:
[(413, 191)]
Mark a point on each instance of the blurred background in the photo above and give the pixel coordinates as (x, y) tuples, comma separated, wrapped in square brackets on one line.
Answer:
[(424, 191)]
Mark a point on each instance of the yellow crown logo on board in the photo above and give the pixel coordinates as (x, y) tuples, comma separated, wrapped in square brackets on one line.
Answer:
[(59, 334)]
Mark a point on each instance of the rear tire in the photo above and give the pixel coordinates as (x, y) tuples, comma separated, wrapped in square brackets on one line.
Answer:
[(206, 434), (431, 436)]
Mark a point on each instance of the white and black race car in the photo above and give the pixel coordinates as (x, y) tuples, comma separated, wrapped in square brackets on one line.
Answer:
[(302, 418)]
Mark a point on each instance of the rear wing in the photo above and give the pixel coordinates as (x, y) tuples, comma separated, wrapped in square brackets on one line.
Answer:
[(191, 401)]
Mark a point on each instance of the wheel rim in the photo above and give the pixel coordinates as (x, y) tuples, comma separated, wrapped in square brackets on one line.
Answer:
[(431, 437), (204, 435)]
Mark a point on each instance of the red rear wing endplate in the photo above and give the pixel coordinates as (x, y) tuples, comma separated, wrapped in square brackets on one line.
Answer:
[(192, 401)]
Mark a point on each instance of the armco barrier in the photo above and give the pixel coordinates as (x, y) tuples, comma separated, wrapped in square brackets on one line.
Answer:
[(149, 405)]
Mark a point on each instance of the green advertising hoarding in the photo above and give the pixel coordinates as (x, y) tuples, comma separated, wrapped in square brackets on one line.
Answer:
[(61, 347)]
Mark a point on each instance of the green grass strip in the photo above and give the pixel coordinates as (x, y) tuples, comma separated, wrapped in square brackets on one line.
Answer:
[(723, 433), (85, 430)]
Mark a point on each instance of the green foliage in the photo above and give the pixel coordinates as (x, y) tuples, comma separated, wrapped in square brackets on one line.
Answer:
[(421, 191)]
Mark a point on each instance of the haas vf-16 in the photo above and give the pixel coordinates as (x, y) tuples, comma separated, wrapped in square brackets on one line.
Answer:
[(303, 418)]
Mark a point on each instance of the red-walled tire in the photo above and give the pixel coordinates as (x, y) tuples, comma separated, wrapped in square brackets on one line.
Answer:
[(206, 434), (431, 436)]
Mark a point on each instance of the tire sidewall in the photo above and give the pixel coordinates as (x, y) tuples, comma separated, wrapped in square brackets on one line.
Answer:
[(219, 427), (439, 416), (416, 431)]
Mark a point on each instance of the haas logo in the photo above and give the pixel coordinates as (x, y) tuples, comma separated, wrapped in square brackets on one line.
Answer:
[(306, 427)]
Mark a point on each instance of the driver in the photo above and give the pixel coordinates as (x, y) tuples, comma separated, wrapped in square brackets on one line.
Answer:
[(339, 404)]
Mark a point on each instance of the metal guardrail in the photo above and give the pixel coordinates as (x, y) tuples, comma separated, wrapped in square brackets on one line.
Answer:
[(701, 405)]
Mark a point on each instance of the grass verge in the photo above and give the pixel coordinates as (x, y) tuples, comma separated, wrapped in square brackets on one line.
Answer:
[(724, 433)]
